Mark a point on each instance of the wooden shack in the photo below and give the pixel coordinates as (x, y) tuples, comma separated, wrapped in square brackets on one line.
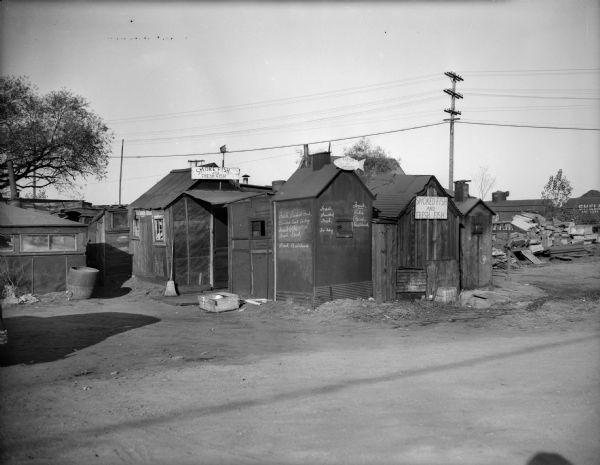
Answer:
[(475, 238), (415, 237), (323, 234), (37, 249), (108, 245), (184, 222)]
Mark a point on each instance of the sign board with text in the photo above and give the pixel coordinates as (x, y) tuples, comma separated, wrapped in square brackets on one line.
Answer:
[(431, 208), (210, 172)]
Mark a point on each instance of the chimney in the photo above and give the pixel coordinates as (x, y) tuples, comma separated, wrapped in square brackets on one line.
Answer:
[(499, 196), (461, 190), (245, 178), (319, 160), (276, 185)]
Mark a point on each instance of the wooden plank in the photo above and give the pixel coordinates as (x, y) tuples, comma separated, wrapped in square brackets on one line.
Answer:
[(529, 256)]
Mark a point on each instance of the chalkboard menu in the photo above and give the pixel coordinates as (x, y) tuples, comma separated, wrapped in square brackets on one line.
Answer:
[(359, 215), (326, 220), (294, 225)]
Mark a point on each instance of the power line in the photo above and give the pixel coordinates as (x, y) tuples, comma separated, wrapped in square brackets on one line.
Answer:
[(529, 126), (261, 103), (256, 149), (550, 97)]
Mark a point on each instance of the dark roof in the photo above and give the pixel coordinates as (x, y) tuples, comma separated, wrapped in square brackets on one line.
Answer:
[(395, 191), (591, 193), (166, 190), (220, 197), (306, 182), (469, 204), (174, 184), (24, 217)]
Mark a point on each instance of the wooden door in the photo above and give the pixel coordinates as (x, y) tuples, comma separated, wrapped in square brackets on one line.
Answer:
[(220, 248)]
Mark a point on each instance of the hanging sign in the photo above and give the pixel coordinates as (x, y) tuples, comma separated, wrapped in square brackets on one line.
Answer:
[(431, 208), (210, 172), (349, 164)]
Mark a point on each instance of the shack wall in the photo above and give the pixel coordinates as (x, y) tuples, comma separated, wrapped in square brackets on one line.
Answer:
[(191, 230), (42, 272), (295, 249), (343, 240)]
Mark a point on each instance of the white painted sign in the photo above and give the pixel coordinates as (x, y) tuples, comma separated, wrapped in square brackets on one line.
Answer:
[(209, 172), (431, 208)]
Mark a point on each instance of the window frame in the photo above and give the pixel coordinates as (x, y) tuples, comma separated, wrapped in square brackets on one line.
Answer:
[(347, 233), (155, 221), (49, 242)]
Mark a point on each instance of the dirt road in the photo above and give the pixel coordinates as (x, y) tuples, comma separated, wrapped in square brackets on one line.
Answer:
[(132, 380)]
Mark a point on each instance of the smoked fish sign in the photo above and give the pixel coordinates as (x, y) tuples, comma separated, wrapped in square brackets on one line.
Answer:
[(431, 208), (208, 172)]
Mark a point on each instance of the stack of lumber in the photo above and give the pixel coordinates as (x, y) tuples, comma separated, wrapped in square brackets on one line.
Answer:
[(534, 235)]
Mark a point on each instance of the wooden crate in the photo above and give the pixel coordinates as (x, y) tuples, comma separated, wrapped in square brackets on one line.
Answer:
[(219, 302)]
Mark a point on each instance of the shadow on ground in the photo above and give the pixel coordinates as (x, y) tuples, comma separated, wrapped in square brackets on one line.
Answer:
[(110, 292), (37, 340)]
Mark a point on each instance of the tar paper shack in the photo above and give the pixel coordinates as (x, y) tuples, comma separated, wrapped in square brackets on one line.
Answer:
[(431, 208)]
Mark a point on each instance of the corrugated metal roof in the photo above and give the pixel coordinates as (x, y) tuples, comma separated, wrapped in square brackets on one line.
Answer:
[(220, 197), (23, 217), (395, 191), (306, 182)]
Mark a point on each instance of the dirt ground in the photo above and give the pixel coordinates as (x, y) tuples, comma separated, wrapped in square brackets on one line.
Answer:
[(126, 378)]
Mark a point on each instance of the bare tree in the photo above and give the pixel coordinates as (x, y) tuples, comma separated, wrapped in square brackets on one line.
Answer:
[(483, 182)]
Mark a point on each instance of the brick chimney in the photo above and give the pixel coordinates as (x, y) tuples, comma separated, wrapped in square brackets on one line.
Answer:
[(500, 196), (461, 190)]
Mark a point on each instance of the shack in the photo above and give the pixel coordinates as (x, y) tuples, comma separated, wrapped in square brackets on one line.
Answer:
[(180, 227), (475, 238), (37, 249), (108, 245), (415, 237), (322, 234)]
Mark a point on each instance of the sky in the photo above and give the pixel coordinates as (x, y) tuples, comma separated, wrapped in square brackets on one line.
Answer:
[(177, 80)]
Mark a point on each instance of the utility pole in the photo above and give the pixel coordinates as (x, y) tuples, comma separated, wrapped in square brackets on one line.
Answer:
[(452, 112), (121, 170)]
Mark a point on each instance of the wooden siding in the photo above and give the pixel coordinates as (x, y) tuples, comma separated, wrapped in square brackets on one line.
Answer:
[(385, 261), (476, 249)]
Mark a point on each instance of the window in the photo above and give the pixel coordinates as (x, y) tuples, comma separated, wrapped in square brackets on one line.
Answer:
[(158, 228), (48, 242), (6, 243), (119, 220), (135, 229), (259, 228), (343, 228)]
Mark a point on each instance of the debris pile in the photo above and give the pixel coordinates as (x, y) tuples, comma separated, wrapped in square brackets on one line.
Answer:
[(532, 236)]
